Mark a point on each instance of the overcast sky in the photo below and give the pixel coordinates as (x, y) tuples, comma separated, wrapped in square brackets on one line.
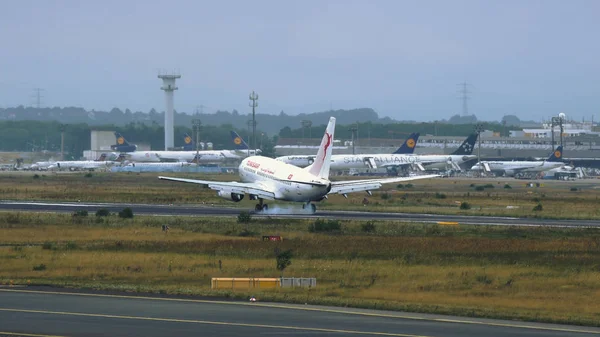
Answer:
[(402, 58)]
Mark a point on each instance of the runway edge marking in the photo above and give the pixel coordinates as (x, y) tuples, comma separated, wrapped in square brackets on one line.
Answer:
[(175, 320), (25, 334), (336, 311)]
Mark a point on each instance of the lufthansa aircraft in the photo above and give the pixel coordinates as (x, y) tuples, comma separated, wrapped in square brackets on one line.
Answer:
[(408, 147), (510, 168), (267, 178)]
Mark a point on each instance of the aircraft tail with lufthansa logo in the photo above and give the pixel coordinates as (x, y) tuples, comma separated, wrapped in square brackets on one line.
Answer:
[(188, 143), (409, 144), (238, 141), (557, 155), (466, 148), (122, 144)]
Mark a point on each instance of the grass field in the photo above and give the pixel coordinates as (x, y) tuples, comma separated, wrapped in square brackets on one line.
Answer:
[(503, 197), (544, 274)]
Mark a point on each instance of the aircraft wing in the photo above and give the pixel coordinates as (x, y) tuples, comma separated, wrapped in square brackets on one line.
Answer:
[(230, 187), (349, 186)]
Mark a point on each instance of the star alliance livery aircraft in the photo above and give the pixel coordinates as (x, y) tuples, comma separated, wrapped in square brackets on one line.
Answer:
[(510, 168), (266, 178), (408, 147)]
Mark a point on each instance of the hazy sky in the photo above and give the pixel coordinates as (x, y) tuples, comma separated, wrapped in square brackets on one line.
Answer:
[(402, 58)]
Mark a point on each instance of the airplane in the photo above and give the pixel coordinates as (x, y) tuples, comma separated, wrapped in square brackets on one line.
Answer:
[(393, 161), (75, 165), (122, 144), (408, 147), (463, 154), (203, 156), (189, 144), (267, 178), (510, 168), (241, 147)]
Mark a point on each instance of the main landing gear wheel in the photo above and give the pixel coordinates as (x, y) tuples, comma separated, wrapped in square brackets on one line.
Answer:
[(313, 207), (260, 207)]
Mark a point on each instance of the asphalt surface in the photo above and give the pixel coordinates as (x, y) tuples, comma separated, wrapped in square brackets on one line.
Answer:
[(296, 212), (56, 312)]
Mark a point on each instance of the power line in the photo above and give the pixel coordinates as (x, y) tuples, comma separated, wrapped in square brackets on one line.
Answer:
[(464, 97), (37, 96)]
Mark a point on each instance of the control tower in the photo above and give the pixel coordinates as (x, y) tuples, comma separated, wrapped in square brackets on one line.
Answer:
[(169, 87)]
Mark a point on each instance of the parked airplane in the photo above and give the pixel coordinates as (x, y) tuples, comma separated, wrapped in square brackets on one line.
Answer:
[(454, 160), (394, 161), (75, 165), (122, 144), (408, 147), (510, 168), (241, 147), (267, 178)]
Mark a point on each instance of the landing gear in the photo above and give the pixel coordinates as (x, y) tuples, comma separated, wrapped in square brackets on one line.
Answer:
[(260, 207), (313, 207)]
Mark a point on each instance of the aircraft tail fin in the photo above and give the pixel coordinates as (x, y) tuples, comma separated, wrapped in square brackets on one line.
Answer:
[(467, 146), (239, 142), (122, 144), (102, 157), (556, 155), (188, 143), (322, 161), (409, 144)]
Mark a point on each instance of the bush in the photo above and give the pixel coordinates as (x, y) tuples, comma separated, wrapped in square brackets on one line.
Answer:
[(284, 259), (409, 185), (48, 245), (488, 186), (399, 186), (40, 267), (126, 213), (465, 205), (325, 226), (574, 189), (368, 227), (385, 196), (81, 213), (439, 195), (507, 186), (36, 176), (244, 217), (538, 208), (479, 188), (102, 212), (71, 245), (88, 175)]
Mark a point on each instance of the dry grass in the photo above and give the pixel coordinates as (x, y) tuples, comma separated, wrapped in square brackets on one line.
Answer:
[(527, 273)]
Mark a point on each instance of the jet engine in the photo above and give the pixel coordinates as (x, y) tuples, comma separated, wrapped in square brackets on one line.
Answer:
[(509, 173), (235, 197)]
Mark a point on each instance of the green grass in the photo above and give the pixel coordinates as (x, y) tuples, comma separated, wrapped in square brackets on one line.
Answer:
[(543, 274)]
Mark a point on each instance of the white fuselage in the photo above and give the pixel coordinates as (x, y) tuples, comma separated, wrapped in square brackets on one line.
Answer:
[(179, 164), (349, 161), (509, 168), (80, 165), (158, 156), (288, 182)]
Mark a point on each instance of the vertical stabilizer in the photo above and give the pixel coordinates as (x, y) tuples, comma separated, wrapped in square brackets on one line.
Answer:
[(556, 155), (467, 146), (320, 166), (409, 144)]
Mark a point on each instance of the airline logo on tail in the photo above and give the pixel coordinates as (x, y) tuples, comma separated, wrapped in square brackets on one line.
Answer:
[(120, 140), (557, 154), (326, 145), (408, 147), (187, 139), (237, 141), (410, 143)]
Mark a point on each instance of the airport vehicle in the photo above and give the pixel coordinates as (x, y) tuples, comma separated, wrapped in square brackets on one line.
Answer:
[(408, 147), (266, 178), (77, 165), (510, 168)]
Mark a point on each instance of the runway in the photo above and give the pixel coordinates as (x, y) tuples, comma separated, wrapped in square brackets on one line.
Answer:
[(54, 312), (167, 210)]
